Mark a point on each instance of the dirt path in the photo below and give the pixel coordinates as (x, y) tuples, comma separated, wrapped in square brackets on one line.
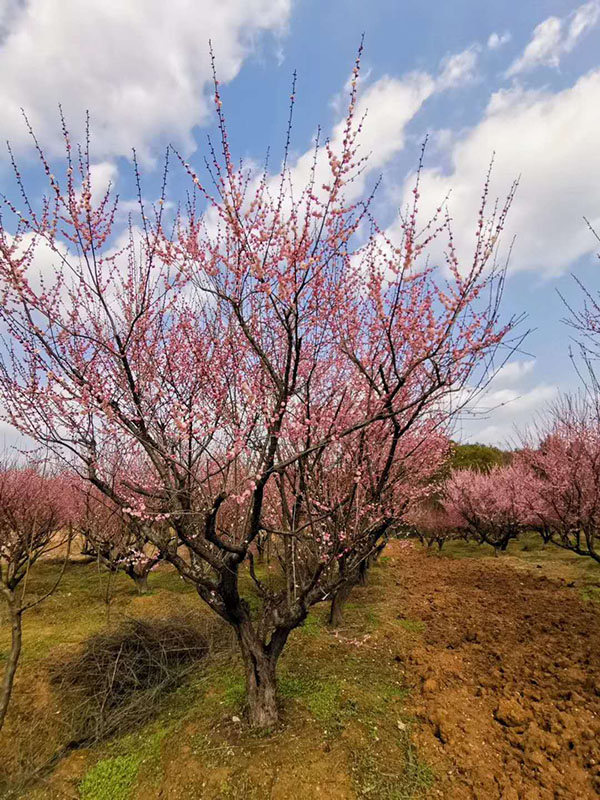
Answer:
[(507, 680)]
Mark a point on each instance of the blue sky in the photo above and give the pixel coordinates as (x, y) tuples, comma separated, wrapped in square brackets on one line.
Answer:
[(520, 79)]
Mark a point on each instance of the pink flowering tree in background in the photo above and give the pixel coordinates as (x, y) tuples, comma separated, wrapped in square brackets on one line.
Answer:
[(259, 363), (118, 540), (490, 504), (566, 465), (35, 516), (433, 523)]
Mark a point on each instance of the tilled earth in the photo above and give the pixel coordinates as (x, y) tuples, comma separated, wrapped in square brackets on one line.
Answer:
[(506, 679)]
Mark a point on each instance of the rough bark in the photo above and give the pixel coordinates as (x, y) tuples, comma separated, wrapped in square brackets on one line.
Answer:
[(338, 604), (363, 570), (359, 576), (15, 615), (260, 662)]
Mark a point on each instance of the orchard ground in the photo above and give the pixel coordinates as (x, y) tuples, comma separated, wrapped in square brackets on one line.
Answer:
[(455, 676)]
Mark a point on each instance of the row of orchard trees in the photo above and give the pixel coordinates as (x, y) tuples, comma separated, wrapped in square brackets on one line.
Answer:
[(48, 513), (551, 487)]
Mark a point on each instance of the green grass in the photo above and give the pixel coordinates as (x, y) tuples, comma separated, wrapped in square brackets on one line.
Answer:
[(54, 622), (114, 778), (412, 625), (591, 593), (233, 688), (313, 624), (110, 779), (320, 696), (361, 617), (373, 780), (344, 704), (532, 552)]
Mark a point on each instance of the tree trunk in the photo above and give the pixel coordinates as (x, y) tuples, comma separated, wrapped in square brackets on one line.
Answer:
[(141, 582), (10, 668), (261, 690), (260, 662), (139, 578), (363, 570), (338, 603)]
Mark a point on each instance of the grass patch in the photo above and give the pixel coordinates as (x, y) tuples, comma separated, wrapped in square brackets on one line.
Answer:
[(115, 777), (312, 625), (412, 625), (360, 616), (110, 779), (591, 594), (234, 694), (374, 778), (320, 696), (340, 694)]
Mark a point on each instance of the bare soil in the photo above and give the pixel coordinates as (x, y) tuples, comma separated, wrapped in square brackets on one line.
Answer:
[(506, 679)]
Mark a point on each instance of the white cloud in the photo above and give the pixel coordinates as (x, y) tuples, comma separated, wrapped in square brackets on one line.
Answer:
[(389, 104), (12, 442), (9, 9), (551, 140), (584, 18), (554, 37), (544, 48), (141, 67), (103, 175), (498, 40), (513, 401), (458, 69), (501, 413), (513, 372), (47, 260), (508, 404)]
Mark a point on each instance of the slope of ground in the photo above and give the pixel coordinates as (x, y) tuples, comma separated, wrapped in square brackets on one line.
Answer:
[(454, 678)]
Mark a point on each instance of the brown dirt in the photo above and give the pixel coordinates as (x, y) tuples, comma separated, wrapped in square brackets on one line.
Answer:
[(506, 679)]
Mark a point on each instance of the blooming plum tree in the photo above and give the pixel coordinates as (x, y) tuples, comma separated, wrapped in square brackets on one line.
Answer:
[(258, 362), (433, 523), (420, 454), (566, 470), (490, 504)]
